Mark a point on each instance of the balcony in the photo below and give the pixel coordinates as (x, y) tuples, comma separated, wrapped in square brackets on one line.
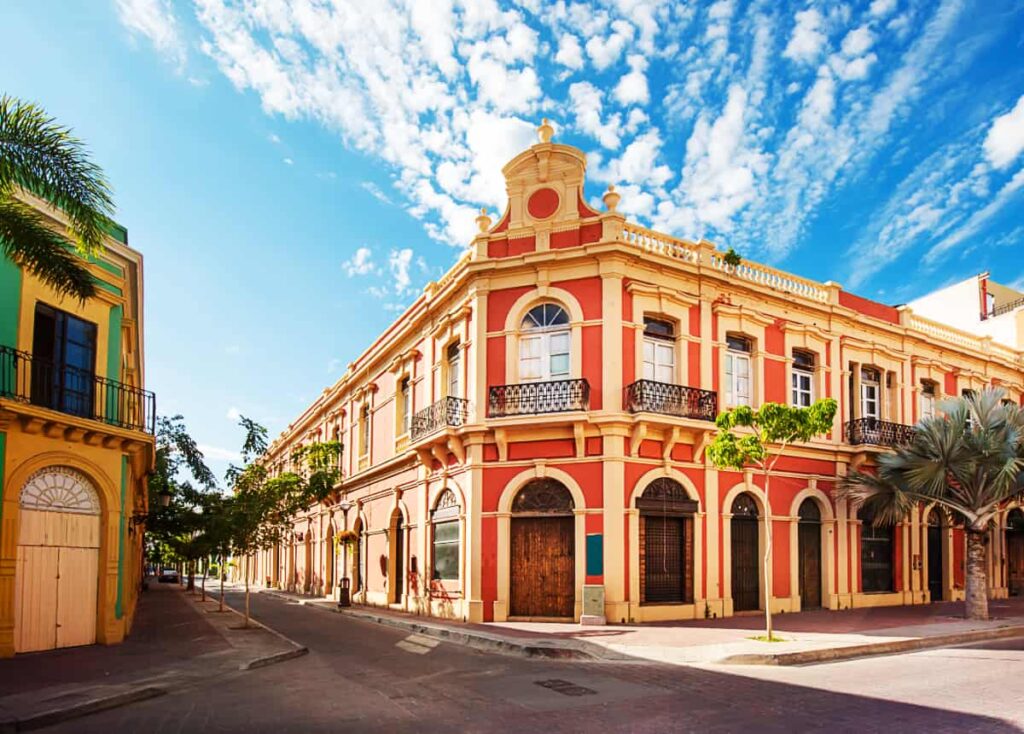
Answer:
[(445, 413), (72, 391), (533, 398), (875, 432), (668, 399)]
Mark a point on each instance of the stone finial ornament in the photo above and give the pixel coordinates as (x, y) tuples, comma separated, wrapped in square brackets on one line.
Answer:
[(545, 131), (483, 222), (611, 198)]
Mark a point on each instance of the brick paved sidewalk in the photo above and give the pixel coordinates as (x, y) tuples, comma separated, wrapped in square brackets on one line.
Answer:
[(177, 642), (714, 640), (167, 631)]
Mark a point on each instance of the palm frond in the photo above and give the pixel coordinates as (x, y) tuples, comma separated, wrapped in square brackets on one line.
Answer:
[(44, 157), (29, 243)]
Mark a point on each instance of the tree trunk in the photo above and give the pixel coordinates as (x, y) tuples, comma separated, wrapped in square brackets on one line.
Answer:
[(191, 576), (976, 602), (203, 597), (247, 591), (222, 561), (767, 557)]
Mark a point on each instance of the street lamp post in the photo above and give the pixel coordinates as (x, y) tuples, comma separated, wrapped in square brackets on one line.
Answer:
[(343, 582)]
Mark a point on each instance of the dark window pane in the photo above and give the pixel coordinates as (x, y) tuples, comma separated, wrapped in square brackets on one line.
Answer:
[(446, 531), (659, 329), (738, 343)]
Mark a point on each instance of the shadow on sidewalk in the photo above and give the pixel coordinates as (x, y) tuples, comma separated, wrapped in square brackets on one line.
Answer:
[(167, 630)]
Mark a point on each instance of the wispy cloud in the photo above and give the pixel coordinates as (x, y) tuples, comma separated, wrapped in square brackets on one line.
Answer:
[(155, 21), (361, 263)]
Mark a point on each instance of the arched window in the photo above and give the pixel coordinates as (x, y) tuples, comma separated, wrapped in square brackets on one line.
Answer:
[(809, 511), (744, 505), (544, 345), (546, 496), (445, 525)]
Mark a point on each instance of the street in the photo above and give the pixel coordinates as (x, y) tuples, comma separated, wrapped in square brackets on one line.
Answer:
[(360, 676)]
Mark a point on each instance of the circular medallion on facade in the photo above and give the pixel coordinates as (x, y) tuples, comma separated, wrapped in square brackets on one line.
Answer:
[(60, 489), (542, 203)]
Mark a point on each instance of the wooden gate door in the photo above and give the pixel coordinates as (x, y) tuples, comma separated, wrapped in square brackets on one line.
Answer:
[(543, 567), (1015, 561), (809, 537), (663, 559), (57, 580), (745, 576), (935, 562)]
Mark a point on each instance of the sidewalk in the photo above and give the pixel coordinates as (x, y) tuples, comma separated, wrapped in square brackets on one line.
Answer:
[(176, 642), (809, 637)]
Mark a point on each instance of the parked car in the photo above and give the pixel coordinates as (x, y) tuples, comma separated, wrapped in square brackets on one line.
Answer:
[(168, 576)]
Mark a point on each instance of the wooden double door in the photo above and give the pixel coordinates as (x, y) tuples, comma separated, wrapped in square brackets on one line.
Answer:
[(746, 591), (809, 543), (57, 578), (543, 567)]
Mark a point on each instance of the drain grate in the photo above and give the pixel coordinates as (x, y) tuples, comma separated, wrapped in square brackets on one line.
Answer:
[(566, 688)]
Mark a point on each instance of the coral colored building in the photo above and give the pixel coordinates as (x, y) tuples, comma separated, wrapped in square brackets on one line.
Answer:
[(527, 439)]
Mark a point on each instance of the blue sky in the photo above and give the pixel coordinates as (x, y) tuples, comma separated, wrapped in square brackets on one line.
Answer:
[(295, 172)]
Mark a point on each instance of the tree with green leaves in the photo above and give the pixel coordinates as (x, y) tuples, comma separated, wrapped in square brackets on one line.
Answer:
[(39, 155), (176, 532), (757, 439), (968, 460)]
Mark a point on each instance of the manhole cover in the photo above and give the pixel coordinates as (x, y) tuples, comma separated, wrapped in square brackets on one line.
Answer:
[(566, 688)]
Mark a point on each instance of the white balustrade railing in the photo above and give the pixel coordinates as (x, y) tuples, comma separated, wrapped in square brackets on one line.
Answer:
[(651, 241)]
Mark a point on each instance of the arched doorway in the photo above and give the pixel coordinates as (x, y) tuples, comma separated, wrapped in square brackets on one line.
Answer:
[(809, 544), (307, 562), (936, 556), (666, 536), (330, 555), (57, 572), (543, 551), (396, 567), (746, 578), (1015, 551)]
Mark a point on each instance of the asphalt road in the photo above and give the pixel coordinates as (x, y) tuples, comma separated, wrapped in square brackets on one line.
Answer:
[(362, 677)]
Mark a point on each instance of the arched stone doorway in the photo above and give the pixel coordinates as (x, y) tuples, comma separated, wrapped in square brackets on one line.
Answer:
[(542, 557), (810, 558), (57, 572), (396, 552), (330, 557), (1015, 551), (745, 531), (667, 542)]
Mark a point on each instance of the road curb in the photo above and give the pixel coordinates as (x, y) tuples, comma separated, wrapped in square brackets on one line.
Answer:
[(278, 657), (474, 639), (91, 706), (873, 649)]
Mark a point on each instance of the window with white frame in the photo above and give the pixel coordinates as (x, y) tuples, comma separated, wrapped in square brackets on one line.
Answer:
[(928, 393), (445, 529), (405, 396), (453, 357), (364, 430), (870, 393), (803, 379), (659, 350), (544, 345), (737, 370)]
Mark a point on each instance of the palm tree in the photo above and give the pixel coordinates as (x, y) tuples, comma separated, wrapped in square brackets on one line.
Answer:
[(39, 155), (969, 460)]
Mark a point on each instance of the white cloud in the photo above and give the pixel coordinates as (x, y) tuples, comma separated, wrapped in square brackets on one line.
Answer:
[(288, 161), (361, 263), (978, 219), (1005, 139), (570, 53), (233, 414), (398, 264), (216, 453), (605, 51), (881, 8), (155, 20), (375, 191), (632, 88), (808, 37), (587, 101), (273, 138)]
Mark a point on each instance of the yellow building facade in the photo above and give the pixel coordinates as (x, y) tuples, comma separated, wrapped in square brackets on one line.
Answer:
[(76, 448), (527, 440)]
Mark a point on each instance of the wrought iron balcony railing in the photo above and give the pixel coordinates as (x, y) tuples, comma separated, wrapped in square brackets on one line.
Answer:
[(74, 391), (531, 398), (877, 432), (445, 412), (677, 400)]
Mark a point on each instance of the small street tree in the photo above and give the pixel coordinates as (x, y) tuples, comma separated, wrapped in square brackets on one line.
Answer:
[(968, 460), (749, 438)]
